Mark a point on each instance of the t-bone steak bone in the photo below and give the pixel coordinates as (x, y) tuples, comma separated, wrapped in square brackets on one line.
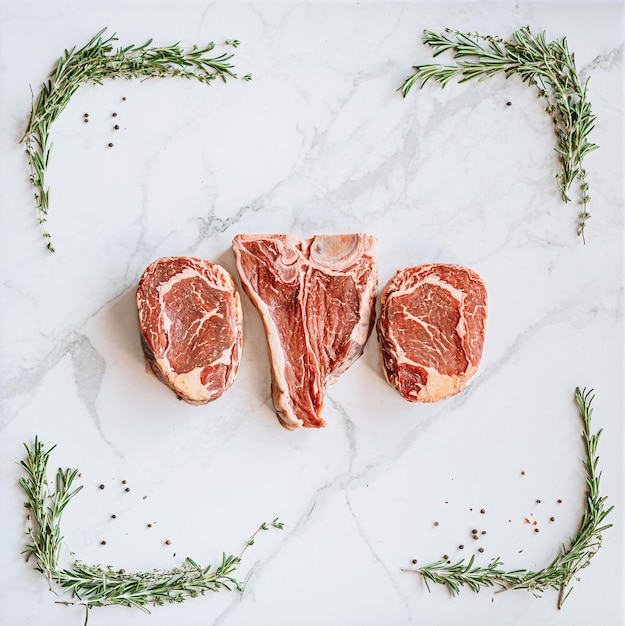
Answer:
[(316, 298), (431, 330), (191, 326)]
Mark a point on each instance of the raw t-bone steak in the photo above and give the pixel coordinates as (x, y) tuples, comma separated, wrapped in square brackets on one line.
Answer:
[(431, 330), (191, 326), (316, 298)]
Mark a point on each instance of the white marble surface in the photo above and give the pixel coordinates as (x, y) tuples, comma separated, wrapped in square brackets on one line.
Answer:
[(319, 141)]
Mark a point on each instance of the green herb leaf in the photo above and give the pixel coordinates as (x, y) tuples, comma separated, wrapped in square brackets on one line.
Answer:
[(549, 67), (95, 585), (91, 64), (566, 565)]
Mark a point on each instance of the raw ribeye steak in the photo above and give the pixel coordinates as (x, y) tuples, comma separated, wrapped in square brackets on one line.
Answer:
[(316, 298), (431, 330), (191, 326)]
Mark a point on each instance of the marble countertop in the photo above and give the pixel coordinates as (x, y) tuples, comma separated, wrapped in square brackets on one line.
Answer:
[(319, 141)]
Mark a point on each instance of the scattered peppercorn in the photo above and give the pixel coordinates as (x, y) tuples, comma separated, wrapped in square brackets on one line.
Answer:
[(474, 531), (114, 516), (101, 486), (483, 532), (149, 525), (114, 114), (168, 542), (86, 119), (481, 550), (124, 98), (86, 114), (508, 104), (461, 547), (537, 501), (476, 537), (552, 519), (103, 542), (559, 501), (80, 475), (122, 571), (414, 561), (536, 530), (436, 523), (127, 489), (110, 145), (445, 557), (523, 473), (116, 127), (482, 511), (124, 482)]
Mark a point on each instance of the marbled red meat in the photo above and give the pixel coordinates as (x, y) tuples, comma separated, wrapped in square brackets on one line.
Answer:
[(316, 298), (431, 330), (191, 326)]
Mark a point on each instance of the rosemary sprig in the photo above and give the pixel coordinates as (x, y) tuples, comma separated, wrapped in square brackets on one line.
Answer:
[(549, 67), (98, 60), (567, 563), (94, 585)]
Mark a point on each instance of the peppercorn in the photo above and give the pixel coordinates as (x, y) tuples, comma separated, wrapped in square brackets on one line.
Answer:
[(114, 516), (475, 537), (149, 525), (552, 519), (101, 486), (482, 511), (86, 119), (116, 127), (114, 114), (483, 532), (481, 550), (168, 542), (110, 145), (461, 547), (86, 114), (124, 482), (445, 557), (537, 501), (474, 531), (436, 523), (414, 561), (127, 489), (559, 501), (122, 571), (536, 530), (508, 104), (103, 542)]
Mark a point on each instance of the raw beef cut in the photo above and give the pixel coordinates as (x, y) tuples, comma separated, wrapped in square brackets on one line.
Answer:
[(431, 330), (316, 298), (191, 326)]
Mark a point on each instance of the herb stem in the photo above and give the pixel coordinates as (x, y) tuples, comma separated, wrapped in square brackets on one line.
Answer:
[(92, 64), (550, 67), (567, 564), (94, 585)]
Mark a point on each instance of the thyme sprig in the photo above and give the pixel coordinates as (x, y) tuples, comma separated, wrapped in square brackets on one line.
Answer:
[(566, 565), (548, 66), (96, 585), (92, 64)]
